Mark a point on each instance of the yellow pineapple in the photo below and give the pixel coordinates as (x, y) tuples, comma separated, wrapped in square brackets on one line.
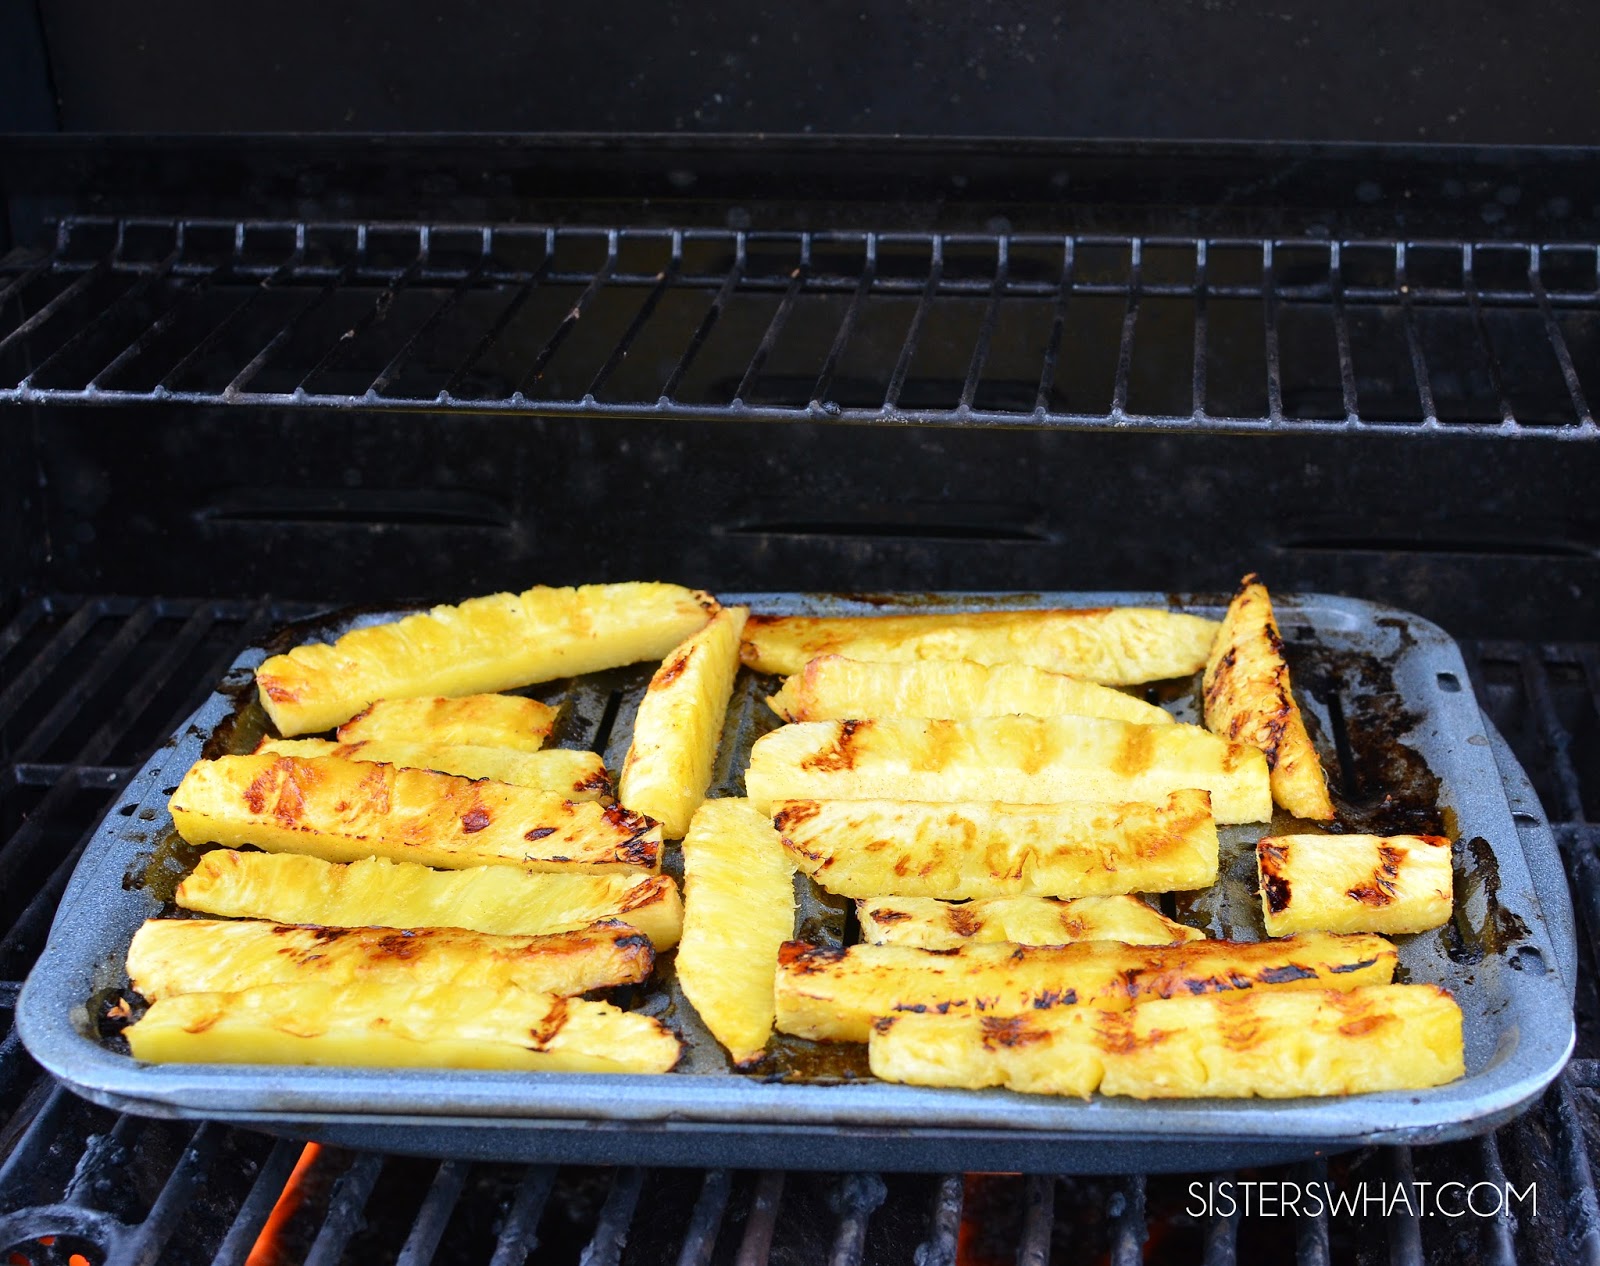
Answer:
[(508, 721), (1273, 1043), (504, 900), (1354, 883), (1116, 646), (960, 850), (572, 775), (833, 688), (738, 908), (404, 1025), (937, 925), (679, 725), (1017, 759), (343, 810), (835, 994), (173, 956), (1248, 699), (483, 645)]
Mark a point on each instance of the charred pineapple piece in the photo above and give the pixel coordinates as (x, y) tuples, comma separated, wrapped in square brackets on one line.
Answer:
[(738, 909), (833, 688), (1116, 646), (1248, 700), (872, 848), (1016, 760), (483, 645), (1354, 883), (504, 900), (1274, 1043), (404, 1025), (573, 775), (506, 721), (173, 956), (835, 994), (940, 925), (679, 724), (342, 811)]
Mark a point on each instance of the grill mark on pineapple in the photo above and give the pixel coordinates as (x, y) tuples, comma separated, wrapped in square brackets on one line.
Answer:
[(1286, 973), (1272, 858), (1366, 1024), (1379, 891), (888, 915), (598, 783), (795, 813), (1008, 1032), (803, 958), (546, 1030), (841, 754), (1136, 753), (670, 671), (255, 795), (538, 833), (1340, 969), (475, 820), (645, 894)]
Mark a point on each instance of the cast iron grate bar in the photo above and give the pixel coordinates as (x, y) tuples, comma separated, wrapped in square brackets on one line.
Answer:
[(65, 324)]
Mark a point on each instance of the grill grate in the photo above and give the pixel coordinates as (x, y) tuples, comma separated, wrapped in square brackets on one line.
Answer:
[(88, 686), (1213, 334)]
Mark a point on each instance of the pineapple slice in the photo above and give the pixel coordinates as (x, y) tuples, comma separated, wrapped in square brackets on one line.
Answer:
[(573, 775), (872, 848), (833, 688), (1116, 646), (940, 925), (342, 811), (835, 994), (508, 721), (1274, 1043), (173, 956), (679, 725), (486, 644), (402, 1025), (1018, 759), (503, 900), (738, 909), (1248, 699), (1354, 883)]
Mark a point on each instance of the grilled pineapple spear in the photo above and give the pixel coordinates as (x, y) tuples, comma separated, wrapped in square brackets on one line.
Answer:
[(1016, 759), (1248, 699), (485, 644), (679, 724), (504, 900), (573, 775), (505, 721), (1354, 883), (1116, 646), (343, 811), (940, 925), (833, 688), (870, 848), (1274, 1043), (738, 909), (834, 994), (404, 1025), (175, 956)]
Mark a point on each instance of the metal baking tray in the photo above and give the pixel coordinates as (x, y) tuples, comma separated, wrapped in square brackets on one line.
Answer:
[(1391, 708)]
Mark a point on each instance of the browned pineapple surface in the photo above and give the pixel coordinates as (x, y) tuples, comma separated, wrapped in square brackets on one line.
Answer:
[(1354, 883), (574, 775), (937, 925), (507, 721), (1248, 700)]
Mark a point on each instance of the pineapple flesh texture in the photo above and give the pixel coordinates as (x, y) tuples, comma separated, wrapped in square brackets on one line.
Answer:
[(876, 848), (1270, 1043), (506, 721), (1248, 700), (738, 910), (174, 956), (679, 725), (940, 925), (573, 775), (1354, 883), (402, 1025), (1115, 646), (833, 688), (834, 994), (502, 900), (498, 642), (343, 811), (1016, 760)]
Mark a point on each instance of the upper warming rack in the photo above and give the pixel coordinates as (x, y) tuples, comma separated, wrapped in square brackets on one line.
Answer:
[(999, 329)]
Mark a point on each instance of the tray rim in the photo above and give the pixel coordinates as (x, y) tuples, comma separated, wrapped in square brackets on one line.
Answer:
[(300, 1094)]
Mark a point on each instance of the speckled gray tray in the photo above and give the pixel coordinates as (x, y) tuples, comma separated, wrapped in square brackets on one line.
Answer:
[(1386, 693)]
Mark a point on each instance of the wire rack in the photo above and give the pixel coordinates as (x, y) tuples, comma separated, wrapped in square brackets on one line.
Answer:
[(1016, 330)]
